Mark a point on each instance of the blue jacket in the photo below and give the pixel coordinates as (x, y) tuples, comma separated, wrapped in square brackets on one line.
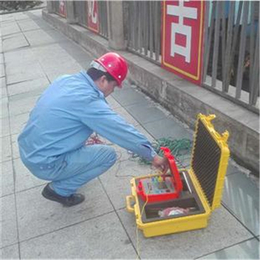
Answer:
[(66, 114)]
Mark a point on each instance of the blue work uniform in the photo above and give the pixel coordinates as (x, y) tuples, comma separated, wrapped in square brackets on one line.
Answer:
[(52, 144)]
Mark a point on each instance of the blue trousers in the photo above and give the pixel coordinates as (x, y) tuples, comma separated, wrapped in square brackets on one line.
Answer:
[(77, 168)]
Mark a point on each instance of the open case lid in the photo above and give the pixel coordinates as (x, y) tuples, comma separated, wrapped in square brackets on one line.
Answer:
[(210, 156)]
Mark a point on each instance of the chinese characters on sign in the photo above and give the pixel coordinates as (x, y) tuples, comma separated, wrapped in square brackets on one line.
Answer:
[(182, 38), (93, 16)]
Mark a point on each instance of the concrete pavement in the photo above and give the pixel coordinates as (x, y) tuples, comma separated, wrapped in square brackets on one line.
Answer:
[(32, 55)]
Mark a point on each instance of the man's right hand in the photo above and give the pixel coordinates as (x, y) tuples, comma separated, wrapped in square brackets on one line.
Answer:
[(161, 163)]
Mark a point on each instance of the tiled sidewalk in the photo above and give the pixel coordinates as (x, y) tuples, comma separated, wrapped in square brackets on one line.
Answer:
[(32, 55)]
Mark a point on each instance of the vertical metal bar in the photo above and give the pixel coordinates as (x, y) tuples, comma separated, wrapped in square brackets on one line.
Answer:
[(151, 29), (216, 45), (242, 51), (207, 51), (145, 27), (157, 29), (206, 21), (251, 48), (141, 15), (101, 17), (160, 27), (134, 25), (139, 30), (105, 20), (255, 77), (234, 42), (223, 43), (228, 46), (130, 25)]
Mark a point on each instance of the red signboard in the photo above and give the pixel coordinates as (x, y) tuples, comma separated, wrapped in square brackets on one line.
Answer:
[(62, 8), (93, 23), (182, 38)]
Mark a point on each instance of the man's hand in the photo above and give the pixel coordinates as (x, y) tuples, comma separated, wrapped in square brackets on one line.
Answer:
[(161, 163)]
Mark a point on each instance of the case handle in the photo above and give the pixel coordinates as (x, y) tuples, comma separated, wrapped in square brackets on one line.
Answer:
[(129, 208)]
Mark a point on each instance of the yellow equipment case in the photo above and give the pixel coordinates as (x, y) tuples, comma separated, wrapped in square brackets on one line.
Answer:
[(202, 186)]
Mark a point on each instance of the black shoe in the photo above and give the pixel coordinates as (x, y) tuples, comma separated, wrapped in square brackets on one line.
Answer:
[(72, 200)]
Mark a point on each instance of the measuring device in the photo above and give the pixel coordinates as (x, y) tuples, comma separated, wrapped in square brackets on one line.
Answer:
[(163, 187)]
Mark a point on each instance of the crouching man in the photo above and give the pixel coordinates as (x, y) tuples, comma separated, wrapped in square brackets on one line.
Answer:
[(52, 144)]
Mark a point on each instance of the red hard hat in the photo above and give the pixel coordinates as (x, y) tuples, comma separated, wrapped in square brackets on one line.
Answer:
[(115, 65)]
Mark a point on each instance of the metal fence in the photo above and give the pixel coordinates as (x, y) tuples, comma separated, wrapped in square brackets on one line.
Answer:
[(81, 10), (231, 46), (56, 7), (143, 28), (102, 18), (231, 56)]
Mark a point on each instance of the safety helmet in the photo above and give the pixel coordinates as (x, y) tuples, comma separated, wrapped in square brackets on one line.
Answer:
[(115, 65)]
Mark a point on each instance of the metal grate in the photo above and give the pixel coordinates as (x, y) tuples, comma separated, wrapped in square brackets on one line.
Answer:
[(205, 161)]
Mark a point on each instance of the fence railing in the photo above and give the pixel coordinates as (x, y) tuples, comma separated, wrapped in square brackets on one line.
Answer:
[(81, 10), (231, 45), (102, 17), (56, 7), (143, 28), (231, 56)]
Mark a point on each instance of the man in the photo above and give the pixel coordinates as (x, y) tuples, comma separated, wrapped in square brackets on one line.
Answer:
[(52, 144)]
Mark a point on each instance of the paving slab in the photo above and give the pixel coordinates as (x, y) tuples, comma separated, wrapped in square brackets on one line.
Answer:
[(4, 107), (35, 14), (37, 216), (24, 179), (18, 122), (1, 58), (117, 180), (112, 102), (99, 238), (7, 178), (20, 105), (3, 90), (77, 52), (28, 25), (52, 54), (20, 16), (5, 152), (25, 55), (168, 127), (6, 18), (29, 88), (28, 72), (2, 70), (14, 42), (69, 67), (10, 28), (241, 197), (9, 252), (41, 37), (146, 112), (20, 67), (223, 230), (15, 148), (244, 250), (9, 234), (5, 129), (126, 116), (129, 97)]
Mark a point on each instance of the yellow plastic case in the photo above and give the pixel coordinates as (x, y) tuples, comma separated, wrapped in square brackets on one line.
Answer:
[(203, 185)]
